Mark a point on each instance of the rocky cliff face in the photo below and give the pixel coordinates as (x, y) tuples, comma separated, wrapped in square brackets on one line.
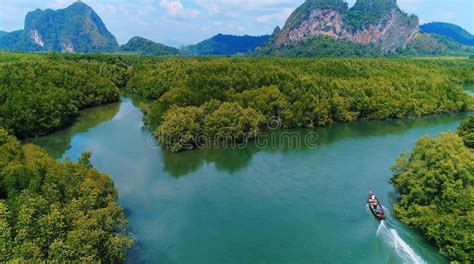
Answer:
[(76, 28), (379, 23)]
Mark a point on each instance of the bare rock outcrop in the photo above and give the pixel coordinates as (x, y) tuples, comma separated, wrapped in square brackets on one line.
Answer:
[(379, 23)]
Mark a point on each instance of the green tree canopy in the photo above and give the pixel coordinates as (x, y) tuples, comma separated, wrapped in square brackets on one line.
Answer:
[(37, 97), (436, 190), (466, 132), (300, 92), (51, 211)]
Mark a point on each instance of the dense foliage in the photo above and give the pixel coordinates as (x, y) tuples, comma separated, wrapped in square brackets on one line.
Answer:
[(212, 123), (466, 132), (38, 96), (319, 46), (436, 185), (142, 46), (224, 45), (298, 93), (56, 212), (448, 30)]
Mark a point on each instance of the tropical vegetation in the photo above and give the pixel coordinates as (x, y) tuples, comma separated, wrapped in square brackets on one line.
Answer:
[(59, 212), (321, 47), (67, 212), (296, 93), (436, 186), (51, 211), (37, 98), (40, 95), (466, 132)]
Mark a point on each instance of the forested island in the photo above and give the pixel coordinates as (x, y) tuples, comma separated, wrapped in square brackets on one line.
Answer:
[(228, 100)]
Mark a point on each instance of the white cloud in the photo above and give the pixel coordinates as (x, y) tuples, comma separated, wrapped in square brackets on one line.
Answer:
[(210, 7), (175, 9)]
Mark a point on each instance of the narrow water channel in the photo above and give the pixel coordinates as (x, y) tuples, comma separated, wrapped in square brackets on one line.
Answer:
[(281, 200)]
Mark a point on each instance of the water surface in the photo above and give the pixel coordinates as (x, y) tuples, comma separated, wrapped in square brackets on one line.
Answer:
[(469, 88), (281, 202)]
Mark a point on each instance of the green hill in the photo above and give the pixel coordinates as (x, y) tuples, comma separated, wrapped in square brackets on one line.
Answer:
[(142, 46), (319, 46), (448, 30), (224, 45), (434, 45)]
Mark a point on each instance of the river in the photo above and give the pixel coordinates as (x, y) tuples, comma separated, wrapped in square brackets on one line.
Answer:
[(286, 201), (469, 88)]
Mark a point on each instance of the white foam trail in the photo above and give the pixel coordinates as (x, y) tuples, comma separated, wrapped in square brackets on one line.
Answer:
[(406, 253)]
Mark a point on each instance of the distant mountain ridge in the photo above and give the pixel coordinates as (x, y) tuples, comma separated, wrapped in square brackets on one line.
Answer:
[(76, 28), (317, 28), (142, 46), (426, 44), (448, 30), (224, 45)]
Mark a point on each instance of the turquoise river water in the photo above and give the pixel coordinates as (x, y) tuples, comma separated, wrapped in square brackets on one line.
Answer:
[(296, 196)]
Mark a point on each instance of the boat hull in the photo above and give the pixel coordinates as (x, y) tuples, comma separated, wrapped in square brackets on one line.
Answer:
[(375, 214), (381, 214)]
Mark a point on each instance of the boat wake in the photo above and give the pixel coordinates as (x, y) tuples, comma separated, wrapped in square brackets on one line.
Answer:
[(393, 239)]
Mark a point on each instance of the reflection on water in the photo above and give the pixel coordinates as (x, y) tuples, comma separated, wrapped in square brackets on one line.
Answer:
[(59, 142), (232, 159), (469, 88), (281, 201)]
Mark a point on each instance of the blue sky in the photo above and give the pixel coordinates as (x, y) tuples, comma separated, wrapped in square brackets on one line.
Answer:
[(190, 21)]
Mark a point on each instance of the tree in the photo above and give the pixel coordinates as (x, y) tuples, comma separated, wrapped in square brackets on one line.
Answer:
[(37, 97), (233, 123), (180, 128), (57, 212), (466, 132), (183, 128), (304, 93), (436, 189)]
